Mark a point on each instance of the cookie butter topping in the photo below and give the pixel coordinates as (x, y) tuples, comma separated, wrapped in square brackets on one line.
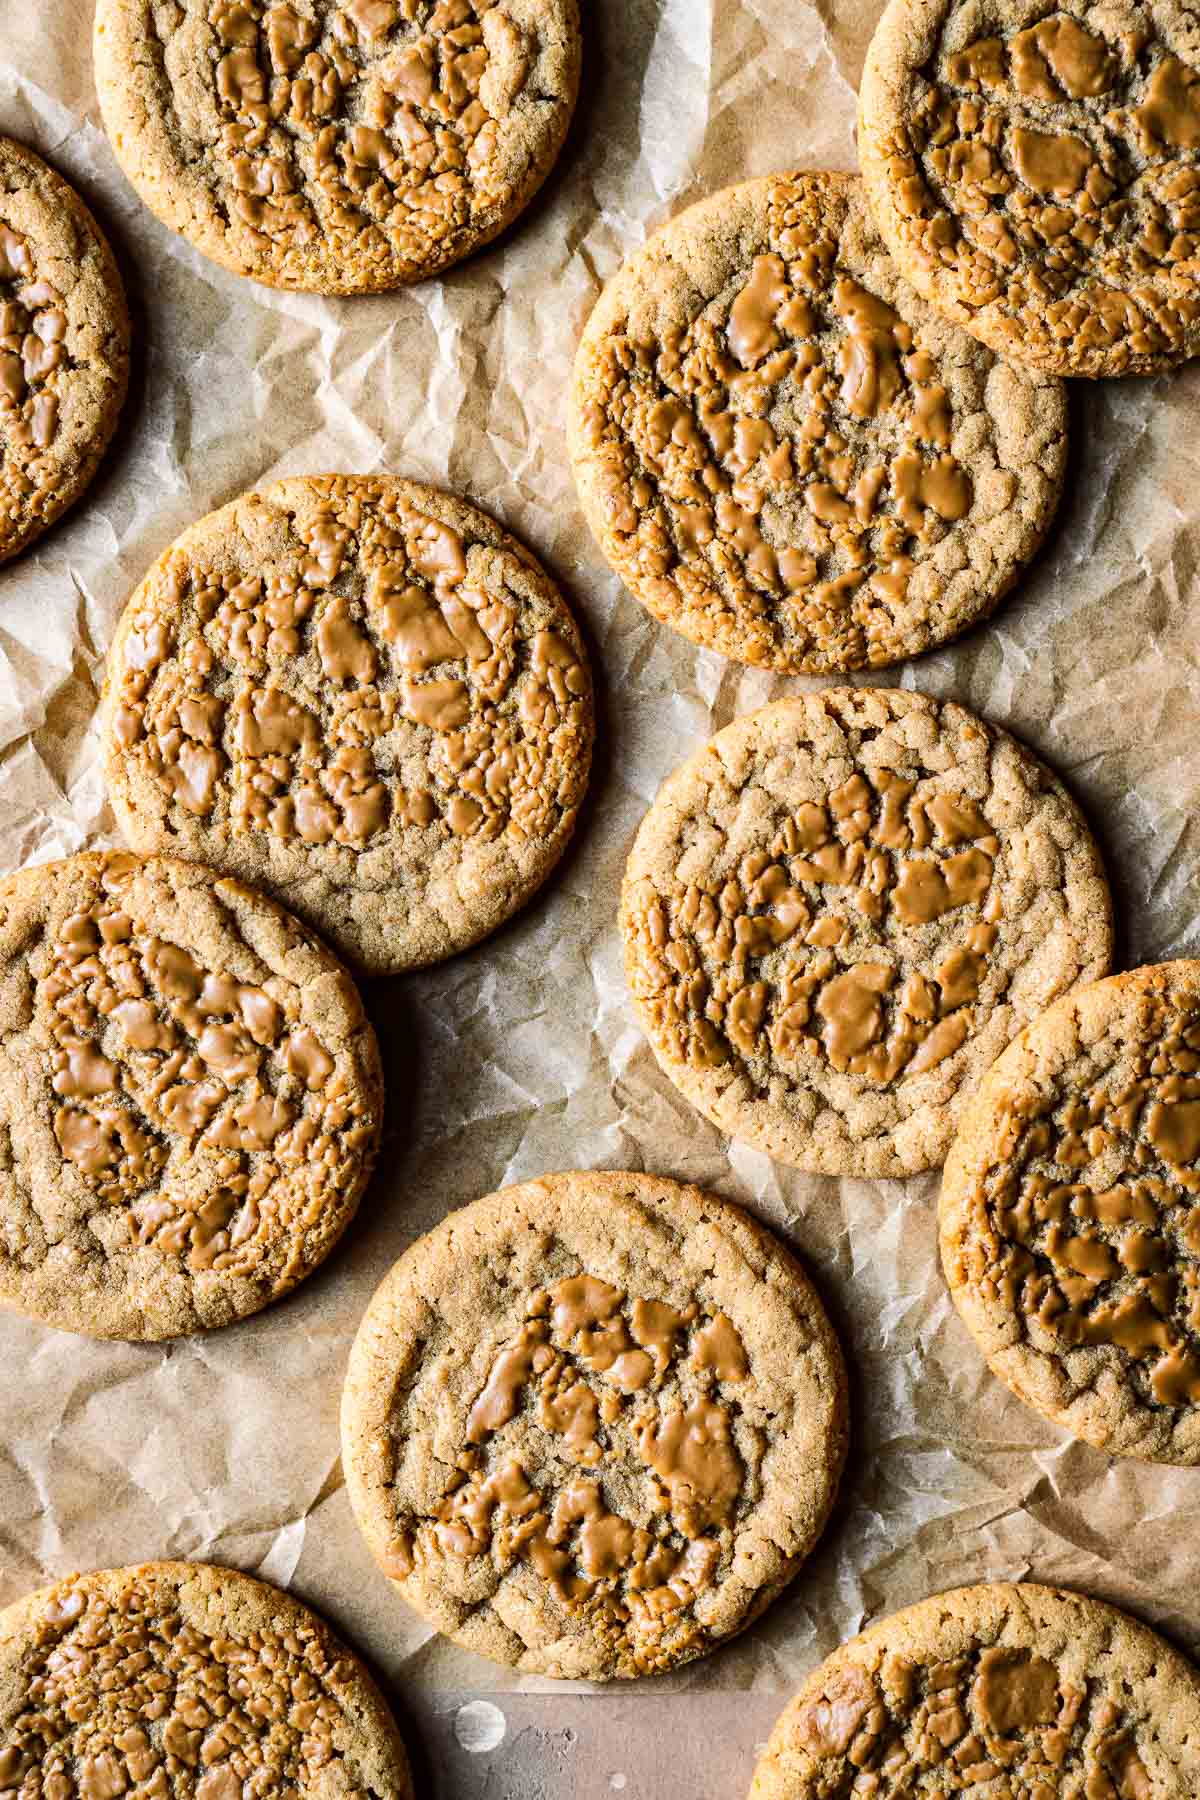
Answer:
[(120, 1691), (818, 910), (386, 685), (350, 143), (1043, 173), (781, 470), (994, 1716), (211, 1129), (1084, 1228)]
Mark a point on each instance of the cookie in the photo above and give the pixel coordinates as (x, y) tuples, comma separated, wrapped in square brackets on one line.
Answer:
[(64, 346), (363, 696), (1033, 169), (1070, 1214), (592, 1425), (1004, 1689), (789, 456), (837, 914), (190, 1097), (341, 146), (187, 1682)]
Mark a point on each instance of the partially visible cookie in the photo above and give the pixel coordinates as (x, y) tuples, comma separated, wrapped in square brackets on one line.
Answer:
[(789, 456), (592, 1425), (1005, 1690), (363, 696), (190, 1097), (341, 146), (837, 914), (64, 346), (1034, 169), (187, 1682), (1070, 1214)]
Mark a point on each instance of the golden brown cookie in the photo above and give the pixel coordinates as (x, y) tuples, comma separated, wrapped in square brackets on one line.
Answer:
[(837, 914), (359, 694), (789, 456), (190, 1097), (183, 1681), (592, 1425), (1011, 1690), (1034, 170), (342, 146), (1070, 1214), (64, 346)]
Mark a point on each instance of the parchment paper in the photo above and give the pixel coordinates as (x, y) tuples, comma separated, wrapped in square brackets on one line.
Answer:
[(523, 1056)]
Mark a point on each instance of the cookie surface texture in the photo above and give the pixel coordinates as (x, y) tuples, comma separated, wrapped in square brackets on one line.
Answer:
[(1070, 1222), (1035, 169), (1000, 1689), (64, 346), (789, 456), (362, 695), (592, 1425), (189, 1682), (838, 913), (340, 146), (190, 1097)]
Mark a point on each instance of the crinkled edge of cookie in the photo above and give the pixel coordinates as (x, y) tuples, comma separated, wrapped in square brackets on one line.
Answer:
[(904, 40), (1012, 1615), (758, 1122), (215, 1600), (121, 1319), (105, 276), (190, 206), (730, 227), (1037, 1377), (369, 950), (388, 1346)]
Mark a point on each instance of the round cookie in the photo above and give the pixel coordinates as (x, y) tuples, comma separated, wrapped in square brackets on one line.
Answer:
[(1004, 1689), (340, 146), (190, 1097), (837, 914), (1034, 168), (64, 346), (1070, 1222), (359, 694), (787, 455), (187, 1682), (593, 1424)]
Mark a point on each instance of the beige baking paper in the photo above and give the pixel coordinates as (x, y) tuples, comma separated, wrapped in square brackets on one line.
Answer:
[(524, 1056)]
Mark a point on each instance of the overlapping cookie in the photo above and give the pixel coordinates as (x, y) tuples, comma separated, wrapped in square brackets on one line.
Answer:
[(837, 914), (1035, 171), (359, 694), (789, 456), (592, 1425)]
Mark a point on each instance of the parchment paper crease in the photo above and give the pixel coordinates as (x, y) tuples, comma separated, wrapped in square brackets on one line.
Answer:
[(523, 1057)]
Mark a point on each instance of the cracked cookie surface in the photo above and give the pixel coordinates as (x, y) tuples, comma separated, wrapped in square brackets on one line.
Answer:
[(839, 911), (787, 455), (363, 696), (64, 346), (593, 1424), (186, 1682), (190, 1097), (340, 146), (1070, 1214), (1009, 1689), (1035, 170)]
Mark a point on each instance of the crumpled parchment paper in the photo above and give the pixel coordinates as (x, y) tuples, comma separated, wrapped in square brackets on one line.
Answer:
[(523, 1056)]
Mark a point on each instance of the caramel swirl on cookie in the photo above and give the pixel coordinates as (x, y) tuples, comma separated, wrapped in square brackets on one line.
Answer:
[(1035, 171), (837, 914), (787, 455), (593, 1424)]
